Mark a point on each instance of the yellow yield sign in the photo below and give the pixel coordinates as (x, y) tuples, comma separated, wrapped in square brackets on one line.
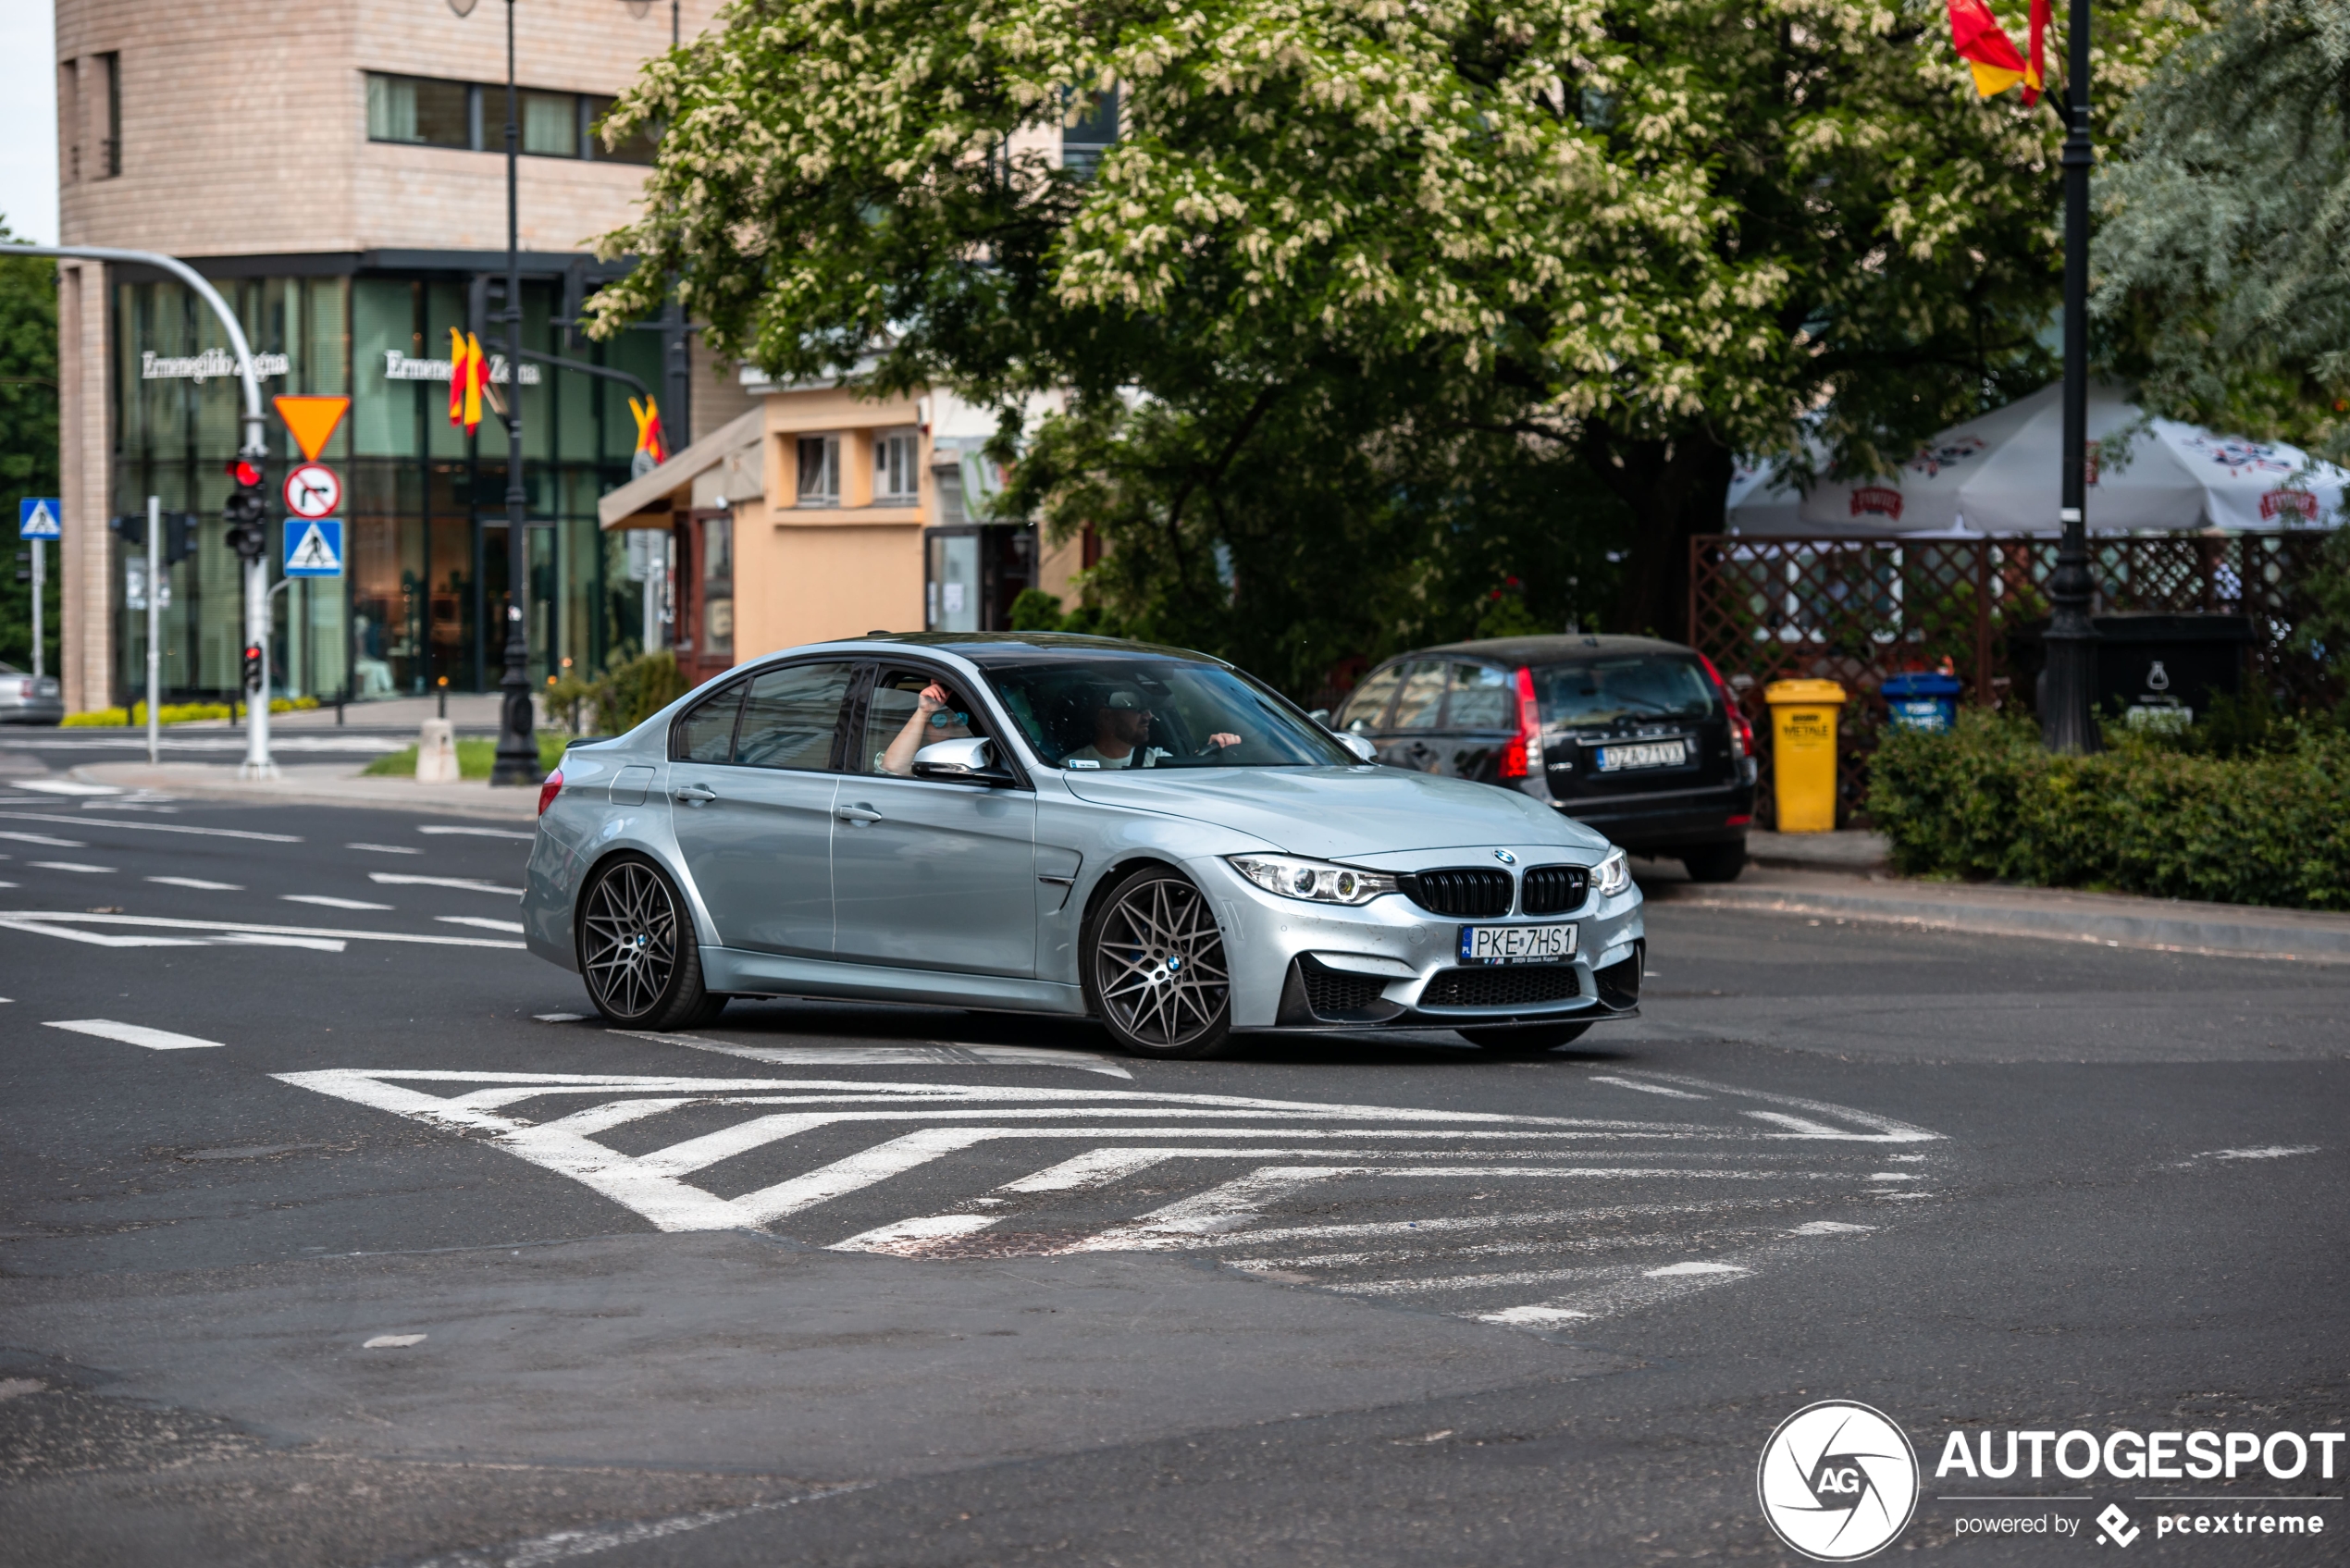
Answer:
[(312, 420)]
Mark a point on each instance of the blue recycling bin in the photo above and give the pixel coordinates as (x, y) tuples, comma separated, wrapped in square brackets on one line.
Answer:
[(1921, 702)]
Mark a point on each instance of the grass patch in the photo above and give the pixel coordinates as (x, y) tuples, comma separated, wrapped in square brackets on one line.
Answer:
[(476, 756)]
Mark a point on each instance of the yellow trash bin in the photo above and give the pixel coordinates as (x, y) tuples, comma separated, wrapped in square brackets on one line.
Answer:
[(1804, 718)]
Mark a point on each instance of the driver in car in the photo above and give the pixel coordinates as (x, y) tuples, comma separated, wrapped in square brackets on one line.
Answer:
[(1121, 733), (935, 718)]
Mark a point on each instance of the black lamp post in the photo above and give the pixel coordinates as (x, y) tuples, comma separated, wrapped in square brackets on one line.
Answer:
[(517, 761), (2068, 719)]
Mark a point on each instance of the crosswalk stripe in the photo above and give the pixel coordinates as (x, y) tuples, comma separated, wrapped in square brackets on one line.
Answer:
[(134, 1034)]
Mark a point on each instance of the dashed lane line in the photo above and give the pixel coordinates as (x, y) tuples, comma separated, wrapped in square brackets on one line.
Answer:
[(328, 901), (480, 922), (438, 828), (78, 865), (46, 840), (134, 1034), (151, 827), (387, 848), (200, 884), (463, 885), (55, 922)]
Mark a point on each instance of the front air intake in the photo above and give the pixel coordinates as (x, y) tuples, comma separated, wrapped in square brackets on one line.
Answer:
[(1505, 985), (1467, 891)]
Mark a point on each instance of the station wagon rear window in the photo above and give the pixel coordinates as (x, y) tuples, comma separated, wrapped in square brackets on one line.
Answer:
[(1601, 691)]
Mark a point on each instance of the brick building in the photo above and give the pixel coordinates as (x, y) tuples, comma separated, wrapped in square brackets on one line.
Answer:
[(336, 169)]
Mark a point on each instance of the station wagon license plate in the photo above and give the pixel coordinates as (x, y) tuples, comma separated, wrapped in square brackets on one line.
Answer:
[(1517, 944), (1645, 754)]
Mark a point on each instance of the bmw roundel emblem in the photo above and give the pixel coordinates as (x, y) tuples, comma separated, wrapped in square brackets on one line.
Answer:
[(1504, 857)]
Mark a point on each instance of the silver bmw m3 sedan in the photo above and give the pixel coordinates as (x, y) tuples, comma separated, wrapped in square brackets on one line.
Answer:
[(1037, 824)]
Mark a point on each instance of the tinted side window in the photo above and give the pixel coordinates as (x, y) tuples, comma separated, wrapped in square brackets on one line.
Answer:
[(1364, 709), (789, 717), (707, 731), (1482, 698), (1421, 702)]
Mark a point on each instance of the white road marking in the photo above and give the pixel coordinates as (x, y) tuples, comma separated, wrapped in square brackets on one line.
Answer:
[(937, 1052), (82, 867), (387, 848), (199, 884), (393, 1341), (153, 827), (481, 922), (1533, 1316), (328, 900), (1827, 1228), (1646, 1088), (92, 938), (135, 1035), (67, 787), (2274, 1152), (478, 833), (30, 920), (46, 840), (1670, 1270), (258, 939), (559, 1018), (563, 1545), (467, 884)]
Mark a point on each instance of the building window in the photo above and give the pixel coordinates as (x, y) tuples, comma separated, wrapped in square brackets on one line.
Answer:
[(1094, 134), (637, 149), (419, 111), (551, 124), (820, 471), (110, 150), (896, 480)]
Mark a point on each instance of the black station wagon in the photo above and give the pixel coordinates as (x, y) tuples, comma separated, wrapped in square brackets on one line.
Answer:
[(1635, 737)]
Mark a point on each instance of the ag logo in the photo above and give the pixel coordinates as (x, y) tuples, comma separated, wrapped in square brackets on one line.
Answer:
[(1838, 1481)]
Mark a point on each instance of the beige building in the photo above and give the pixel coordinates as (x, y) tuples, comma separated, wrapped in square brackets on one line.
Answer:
[(336, 169)]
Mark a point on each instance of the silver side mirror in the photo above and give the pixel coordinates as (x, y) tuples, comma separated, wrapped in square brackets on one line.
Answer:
[(970, 759), (1363, 749)]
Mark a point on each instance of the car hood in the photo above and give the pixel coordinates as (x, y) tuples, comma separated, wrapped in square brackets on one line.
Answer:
[(1340, 813)]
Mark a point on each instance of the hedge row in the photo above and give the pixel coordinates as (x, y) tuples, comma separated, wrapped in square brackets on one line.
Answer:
[(135, 715), (2143, 816)]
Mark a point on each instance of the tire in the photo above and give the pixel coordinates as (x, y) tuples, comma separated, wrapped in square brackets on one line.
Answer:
[(1714, 862), (636, 949), (1153, 968), (1526, 1039)]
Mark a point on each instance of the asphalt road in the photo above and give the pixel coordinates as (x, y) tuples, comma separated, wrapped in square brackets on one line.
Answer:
[(394, 1259)]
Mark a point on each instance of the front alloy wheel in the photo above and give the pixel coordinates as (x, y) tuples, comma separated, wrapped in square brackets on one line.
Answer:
[(1155, 966), (638, 951)]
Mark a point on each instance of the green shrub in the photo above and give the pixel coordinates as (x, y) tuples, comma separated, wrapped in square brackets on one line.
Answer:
[(476, 756), (1036, 610), (2166, 817), (634, 692), (135, 717)]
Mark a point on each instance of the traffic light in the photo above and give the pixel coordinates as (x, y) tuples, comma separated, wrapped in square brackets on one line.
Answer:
[(179, 537), (246, 511), (132, 527), (24, 564), (252, 666)]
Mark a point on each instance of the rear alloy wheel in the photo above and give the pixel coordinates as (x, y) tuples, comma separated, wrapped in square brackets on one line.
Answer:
[(638, 951), (1526, 1041), (1155, 970), (1714, 862)]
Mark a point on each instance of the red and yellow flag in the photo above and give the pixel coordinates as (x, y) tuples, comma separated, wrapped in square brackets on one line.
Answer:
[(468, 376), (1985, 47), (2034, 74), (457, 376), (648, 429)]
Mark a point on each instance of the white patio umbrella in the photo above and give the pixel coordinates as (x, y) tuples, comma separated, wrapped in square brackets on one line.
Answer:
[(1998, 474)]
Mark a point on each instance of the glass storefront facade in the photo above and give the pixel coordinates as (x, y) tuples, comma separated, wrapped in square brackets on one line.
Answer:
[(424, 507)]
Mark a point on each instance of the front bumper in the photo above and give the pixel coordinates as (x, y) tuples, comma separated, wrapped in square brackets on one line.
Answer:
[(1390, 964)]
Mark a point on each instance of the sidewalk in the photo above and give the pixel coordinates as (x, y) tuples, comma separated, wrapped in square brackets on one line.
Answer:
[(332, 784), (2110, 920)]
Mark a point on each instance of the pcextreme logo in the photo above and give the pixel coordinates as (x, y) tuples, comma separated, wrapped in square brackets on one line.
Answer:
[(1838, 1481)]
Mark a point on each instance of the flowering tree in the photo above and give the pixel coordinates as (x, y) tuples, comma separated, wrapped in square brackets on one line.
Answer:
[(1646, 234)]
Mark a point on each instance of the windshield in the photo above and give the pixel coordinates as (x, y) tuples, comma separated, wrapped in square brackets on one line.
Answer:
[(1139, 713), (1599, 691)]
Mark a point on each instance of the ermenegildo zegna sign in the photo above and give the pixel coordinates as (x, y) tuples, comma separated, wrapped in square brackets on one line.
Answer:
[(400, 367), (202, 367)]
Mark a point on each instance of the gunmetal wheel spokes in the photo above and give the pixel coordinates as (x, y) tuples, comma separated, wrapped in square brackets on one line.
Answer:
[(1161, 967), (629, 943)]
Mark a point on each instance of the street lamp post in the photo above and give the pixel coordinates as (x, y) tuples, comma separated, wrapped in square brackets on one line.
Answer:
[(2068, 719), (518, 758)]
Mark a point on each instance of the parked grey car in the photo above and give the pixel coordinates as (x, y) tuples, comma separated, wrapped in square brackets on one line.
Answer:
[(28, 699), (1078, 826)]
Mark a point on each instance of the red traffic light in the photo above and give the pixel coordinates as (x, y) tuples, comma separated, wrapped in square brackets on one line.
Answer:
[(245, 472)]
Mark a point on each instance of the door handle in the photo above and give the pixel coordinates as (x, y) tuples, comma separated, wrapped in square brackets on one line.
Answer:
[(856, 814), (695, 793)]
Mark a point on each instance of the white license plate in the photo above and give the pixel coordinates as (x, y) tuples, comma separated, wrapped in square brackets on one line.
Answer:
[(1517, 944), (1647, 754)]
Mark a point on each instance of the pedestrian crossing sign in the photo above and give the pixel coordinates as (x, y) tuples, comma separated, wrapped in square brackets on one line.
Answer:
[(37, 517), (314, 547)]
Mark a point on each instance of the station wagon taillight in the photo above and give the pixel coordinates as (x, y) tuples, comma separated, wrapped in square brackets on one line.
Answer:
[(1523, 753), (1741, 728)]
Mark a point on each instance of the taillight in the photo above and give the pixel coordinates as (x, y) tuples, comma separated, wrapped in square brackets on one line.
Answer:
[(1524, 754), (1741, 728), (547, 791)]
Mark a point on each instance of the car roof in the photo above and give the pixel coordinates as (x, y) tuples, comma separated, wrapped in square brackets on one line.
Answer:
[(984, 649), (1563, 648)]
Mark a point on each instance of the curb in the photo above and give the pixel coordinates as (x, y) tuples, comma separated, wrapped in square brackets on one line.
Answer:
[(2107, 920)]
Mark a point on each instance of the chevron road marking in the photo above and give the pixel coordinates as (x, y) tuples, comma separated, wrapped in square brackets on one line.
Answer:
[(1740, 1192)]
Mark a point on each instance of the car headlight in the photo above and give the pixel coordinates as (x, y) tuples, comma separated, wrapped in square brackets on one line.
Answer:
[(1614, 875), (1317, 882)]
